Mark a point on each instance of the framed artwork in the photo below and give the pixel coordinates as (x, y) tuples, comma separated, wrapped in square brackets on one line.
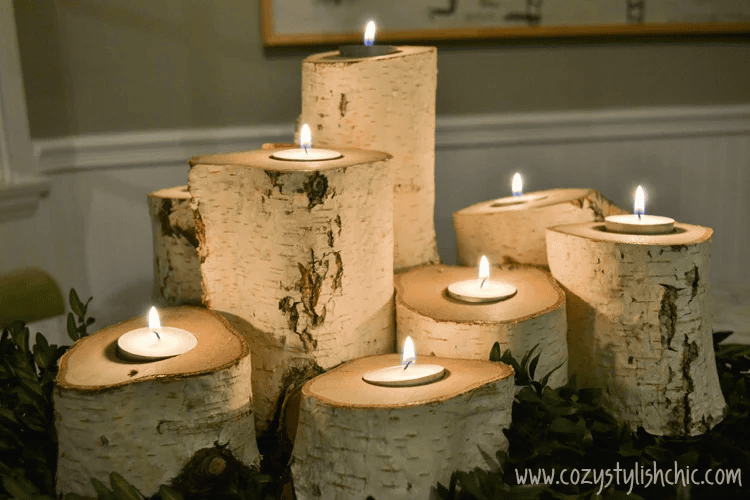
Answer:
[(308, 22)]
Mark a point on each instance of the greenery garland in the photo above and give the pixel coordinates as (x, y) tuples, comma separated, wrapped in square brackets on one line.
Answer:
[(553, 430)]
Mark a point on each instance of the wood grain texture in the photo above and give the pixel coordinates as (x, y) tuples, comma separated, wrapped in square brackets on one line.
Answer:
[(355, 439), (385, 103), (639, 323), (441, 326), (512, 230), (146, 420), (299, 256), (177, 277)]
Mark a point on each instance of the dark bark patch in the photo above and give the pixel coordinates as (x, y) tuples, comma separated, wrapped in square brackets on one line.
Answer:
[(339, 272), (337, 220), (668, 315), (330, 238), (200, 234), (274, 178), (343, 103), (316, 189), (693, 277), (175, 230)]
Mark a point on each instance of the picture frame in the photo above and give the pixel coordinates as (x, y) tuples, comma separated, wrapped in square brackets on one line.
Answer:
[(320, 22)]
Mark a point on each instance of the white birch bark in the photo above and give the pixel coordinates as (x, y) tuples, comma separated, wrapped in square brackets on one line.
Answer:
[(177, 277), (441, 326), (299, 256), (639, 323), (385, 103), (512, 230), (356, 440), (146, 420)]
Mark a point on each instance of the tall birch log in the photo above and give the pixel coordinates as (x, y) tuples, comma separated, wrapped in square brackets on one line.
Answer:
[(356, 440), (146, 420), (300, 257), (385, 103), (442, 326), (639, 323), (511, 230), (177, 277)]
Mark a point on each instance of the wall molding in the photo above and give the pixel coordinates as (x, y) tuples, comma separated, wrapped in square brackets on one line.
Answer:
[(170, 147)]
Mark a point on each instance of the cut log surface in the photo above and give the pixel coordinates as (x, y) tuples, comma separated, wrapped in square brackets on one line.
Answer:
[(639, 323), (512, 230), (146, 420), (442, 326), (356, 440), (177, 278), (385, 103), (299, 255)]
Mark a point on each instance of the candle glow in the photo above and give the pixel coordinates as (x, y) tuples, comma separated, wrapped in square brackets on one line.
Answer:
[(484, 271), (370, 33), (305, 137), (517, 185), (639, 207), (408, 355), (153, 319)]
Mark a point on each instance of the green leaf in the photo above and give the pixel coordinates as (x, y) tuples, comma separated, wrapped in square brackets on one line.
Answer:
[(167, 493), (72, 330), (102, 491), (21, 490), (75, 303), (20, 336), (495, 353), (73, 496), (122, 489), (562, 425), (532, 366)]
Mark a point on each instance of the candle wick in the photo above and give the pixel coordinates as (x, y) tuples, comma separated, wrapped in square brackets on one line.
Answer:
[(157, 334), (305, 149), (481, 285), (407, 364), (639, 216)]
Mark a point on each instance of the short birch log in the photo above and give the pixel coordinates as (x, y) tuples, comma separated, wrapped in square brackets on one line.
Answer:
[(639, 323), (300, 257), (511, 230), (385, 103), (442, 326), (177, 278), (146, 420), (356, 440)]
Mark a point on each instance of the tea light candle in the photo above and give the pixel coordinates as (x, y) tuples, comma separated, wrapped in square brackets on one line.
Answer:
[(638, 222), (155, 342), (518, 197), (369, 49), (482, 290), (408, 374), (306, 152)]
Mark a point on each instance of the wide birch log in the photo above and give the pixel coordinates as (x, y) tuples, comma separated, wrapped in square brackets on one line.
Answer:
[(146, 420), (511, 230), (300, 257), (639, 323), (385, 103), (357, 440), (177, 277), (442, 326)]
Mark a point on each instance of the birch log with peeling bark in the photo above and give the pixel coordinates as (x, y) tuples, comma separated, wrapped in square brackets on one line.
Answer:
[(639, 323), (442, 326), (177, 277), (146, 420), (385, 103), (300, 257), (356, 440), (512, 230)]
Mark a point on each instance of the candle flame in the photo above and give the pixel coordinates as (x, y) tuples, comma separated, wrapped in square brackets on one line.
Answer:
[(153, 319), (517, 185), (305, 137), (408, 355), (484, 268), (370, 33), (640, 201)]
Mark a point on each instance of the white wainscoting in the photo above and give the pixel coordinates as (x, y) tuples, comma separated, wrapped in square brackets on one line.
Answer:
[(93, 232)]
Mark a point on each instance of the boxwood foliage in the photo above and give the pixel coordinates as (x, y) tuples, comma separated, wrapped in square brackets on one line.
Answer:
[(566, 428)]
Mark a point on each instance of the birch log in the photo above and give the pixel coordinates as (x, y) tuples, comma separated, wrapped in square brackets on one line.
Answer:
[(146, 420), (177, 278), (639, 323), (385, 103), (512, 230), (300, 256), (441, 326), (356, 440)]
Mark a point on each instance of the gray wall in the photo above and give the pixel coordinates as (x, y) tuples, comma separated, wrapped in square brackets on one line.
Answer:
[(121, 65)]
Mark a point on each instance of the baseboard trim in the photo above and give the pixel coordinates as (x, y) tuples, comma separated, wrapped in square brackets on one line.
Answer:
[(171, 147)]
